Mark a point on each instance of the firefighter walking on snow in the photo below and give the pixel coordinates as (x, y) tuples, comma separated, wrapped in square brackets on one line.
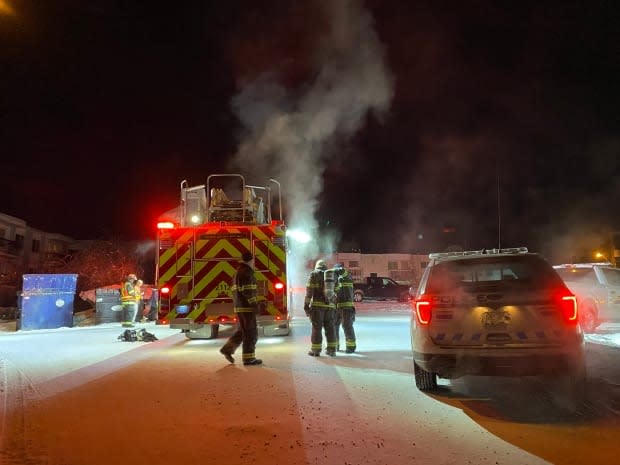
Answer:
[(345, 309), (246, 305), (319, 307)]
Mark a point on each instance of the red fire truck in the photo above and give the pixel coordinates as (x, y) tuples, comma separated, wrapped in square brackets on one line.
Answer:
[(200, 244)]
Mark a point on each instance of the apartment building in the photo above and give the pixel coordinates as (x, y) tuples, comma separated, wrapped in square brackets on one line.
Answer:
[(401, 267), (24, 249)]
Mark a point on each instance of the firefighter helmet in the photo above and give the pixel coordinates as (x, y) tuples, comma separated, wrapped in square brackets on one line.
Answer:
[(320, 265)]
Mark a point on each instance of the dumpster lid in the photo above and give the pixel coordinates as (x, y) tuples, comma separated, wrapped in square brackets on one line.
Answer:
[(49, 282)]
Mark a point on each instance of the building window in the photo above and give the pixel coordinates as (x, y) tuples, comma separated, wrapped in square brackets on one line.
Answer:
[(404, 265), (354, 264), (36, 245), (356, 275), (56, 246), (402, 276), (19, 241), (392, 266)]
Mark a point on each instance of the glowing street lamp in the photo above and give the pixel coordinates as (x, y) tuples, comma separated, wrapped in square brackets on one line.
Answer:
[(6, 8)]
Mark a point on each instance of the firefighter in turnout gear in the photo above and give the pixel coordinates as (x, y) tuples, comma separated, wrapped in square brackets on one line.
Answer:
[(321, 309), (246, 305), (128, 300), (345, 310), (139, 294)]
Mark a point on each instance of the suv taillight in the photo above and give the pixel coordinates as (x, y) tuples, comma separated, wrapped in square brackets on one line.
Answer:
[(423, 309), (568, 306)]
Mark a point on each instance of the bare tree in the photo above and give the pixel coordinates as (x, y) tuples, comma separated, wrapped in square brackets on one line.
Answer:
[(103, 263)]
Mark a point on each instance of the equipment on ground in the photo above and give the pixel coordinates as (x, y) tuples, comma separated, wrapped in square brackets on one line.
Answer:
[(141, 335)]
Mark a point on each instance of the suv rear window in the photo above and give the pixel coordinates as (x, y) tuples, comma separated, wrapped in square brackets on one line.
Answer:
[(473, 273)]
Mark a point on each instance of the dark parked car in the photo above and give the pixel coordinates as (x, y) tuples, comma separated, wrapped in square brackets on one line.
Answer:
[(380, 288)]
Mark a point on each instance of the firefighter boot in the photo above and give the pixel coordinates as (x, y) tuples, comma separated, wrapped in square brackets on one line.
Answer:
[(253, 361), (227, 354)]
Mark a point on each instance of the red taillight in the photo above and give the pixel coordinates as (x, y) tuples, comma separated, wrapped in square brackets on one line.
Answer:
[(568, 306), (279, 286), (423, 309), (165, 225), (165, 290)]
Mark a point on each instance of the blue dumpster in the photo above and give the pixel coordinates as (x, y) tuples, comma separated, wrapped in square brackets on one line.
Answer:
[(47, 301)]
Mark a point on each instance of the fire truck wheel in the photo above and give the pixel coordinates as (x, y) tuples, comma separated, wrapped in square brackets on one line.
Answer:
[(215, 329)]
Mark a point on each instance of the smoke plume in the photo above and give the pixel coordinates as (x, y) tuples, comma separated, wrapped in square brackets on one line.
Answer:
[(290, 133)]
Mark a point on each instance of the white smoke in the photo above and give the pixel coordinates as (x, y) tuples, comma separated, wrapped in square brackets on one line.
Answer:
[(290, 133)]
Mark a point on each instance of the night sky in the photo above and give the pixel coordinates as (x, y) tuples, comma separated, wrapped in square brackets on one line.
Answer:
[(394, 126)]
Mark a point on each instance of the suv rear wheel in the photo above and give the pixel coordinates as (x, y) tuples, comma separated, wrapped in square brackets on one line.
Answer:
[(569, 390), (424, 380)]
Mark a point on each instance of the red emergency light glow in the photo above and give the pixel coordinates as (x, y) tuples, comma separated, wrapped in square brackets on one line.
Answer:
[(568, 306), (279, 286), (423, 309), (165, 225), (165, 290)]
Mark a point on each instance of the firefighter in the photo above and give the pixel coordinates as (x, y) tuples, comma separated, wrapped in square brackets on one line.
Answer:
[(345, 310), (128, 300), (139, 294), (321, 309), (246, 305)]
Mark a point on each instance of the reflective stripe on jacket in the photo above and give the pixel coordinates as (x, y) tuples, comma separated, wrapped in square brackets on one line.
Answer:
[(244, 289), (344, 290), (128, 293)]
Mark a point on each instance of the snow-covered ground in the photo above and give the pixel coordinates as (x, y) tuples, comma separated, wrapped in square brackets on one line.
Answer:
[(74, 396), (607, 334)]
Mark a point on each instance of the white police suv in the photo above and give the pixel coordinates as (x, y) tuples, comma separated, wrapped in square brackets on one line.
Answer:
[(502, 312)]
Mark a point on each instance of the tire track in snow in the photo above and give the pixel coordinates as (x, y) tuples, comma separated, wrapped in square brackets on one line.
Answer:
[(16, 391)]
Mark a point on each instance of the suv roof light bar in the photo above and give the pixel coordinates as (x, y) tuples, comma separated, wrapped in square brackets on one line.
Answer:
[(455, 254), (511, 250), (582, 265)]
